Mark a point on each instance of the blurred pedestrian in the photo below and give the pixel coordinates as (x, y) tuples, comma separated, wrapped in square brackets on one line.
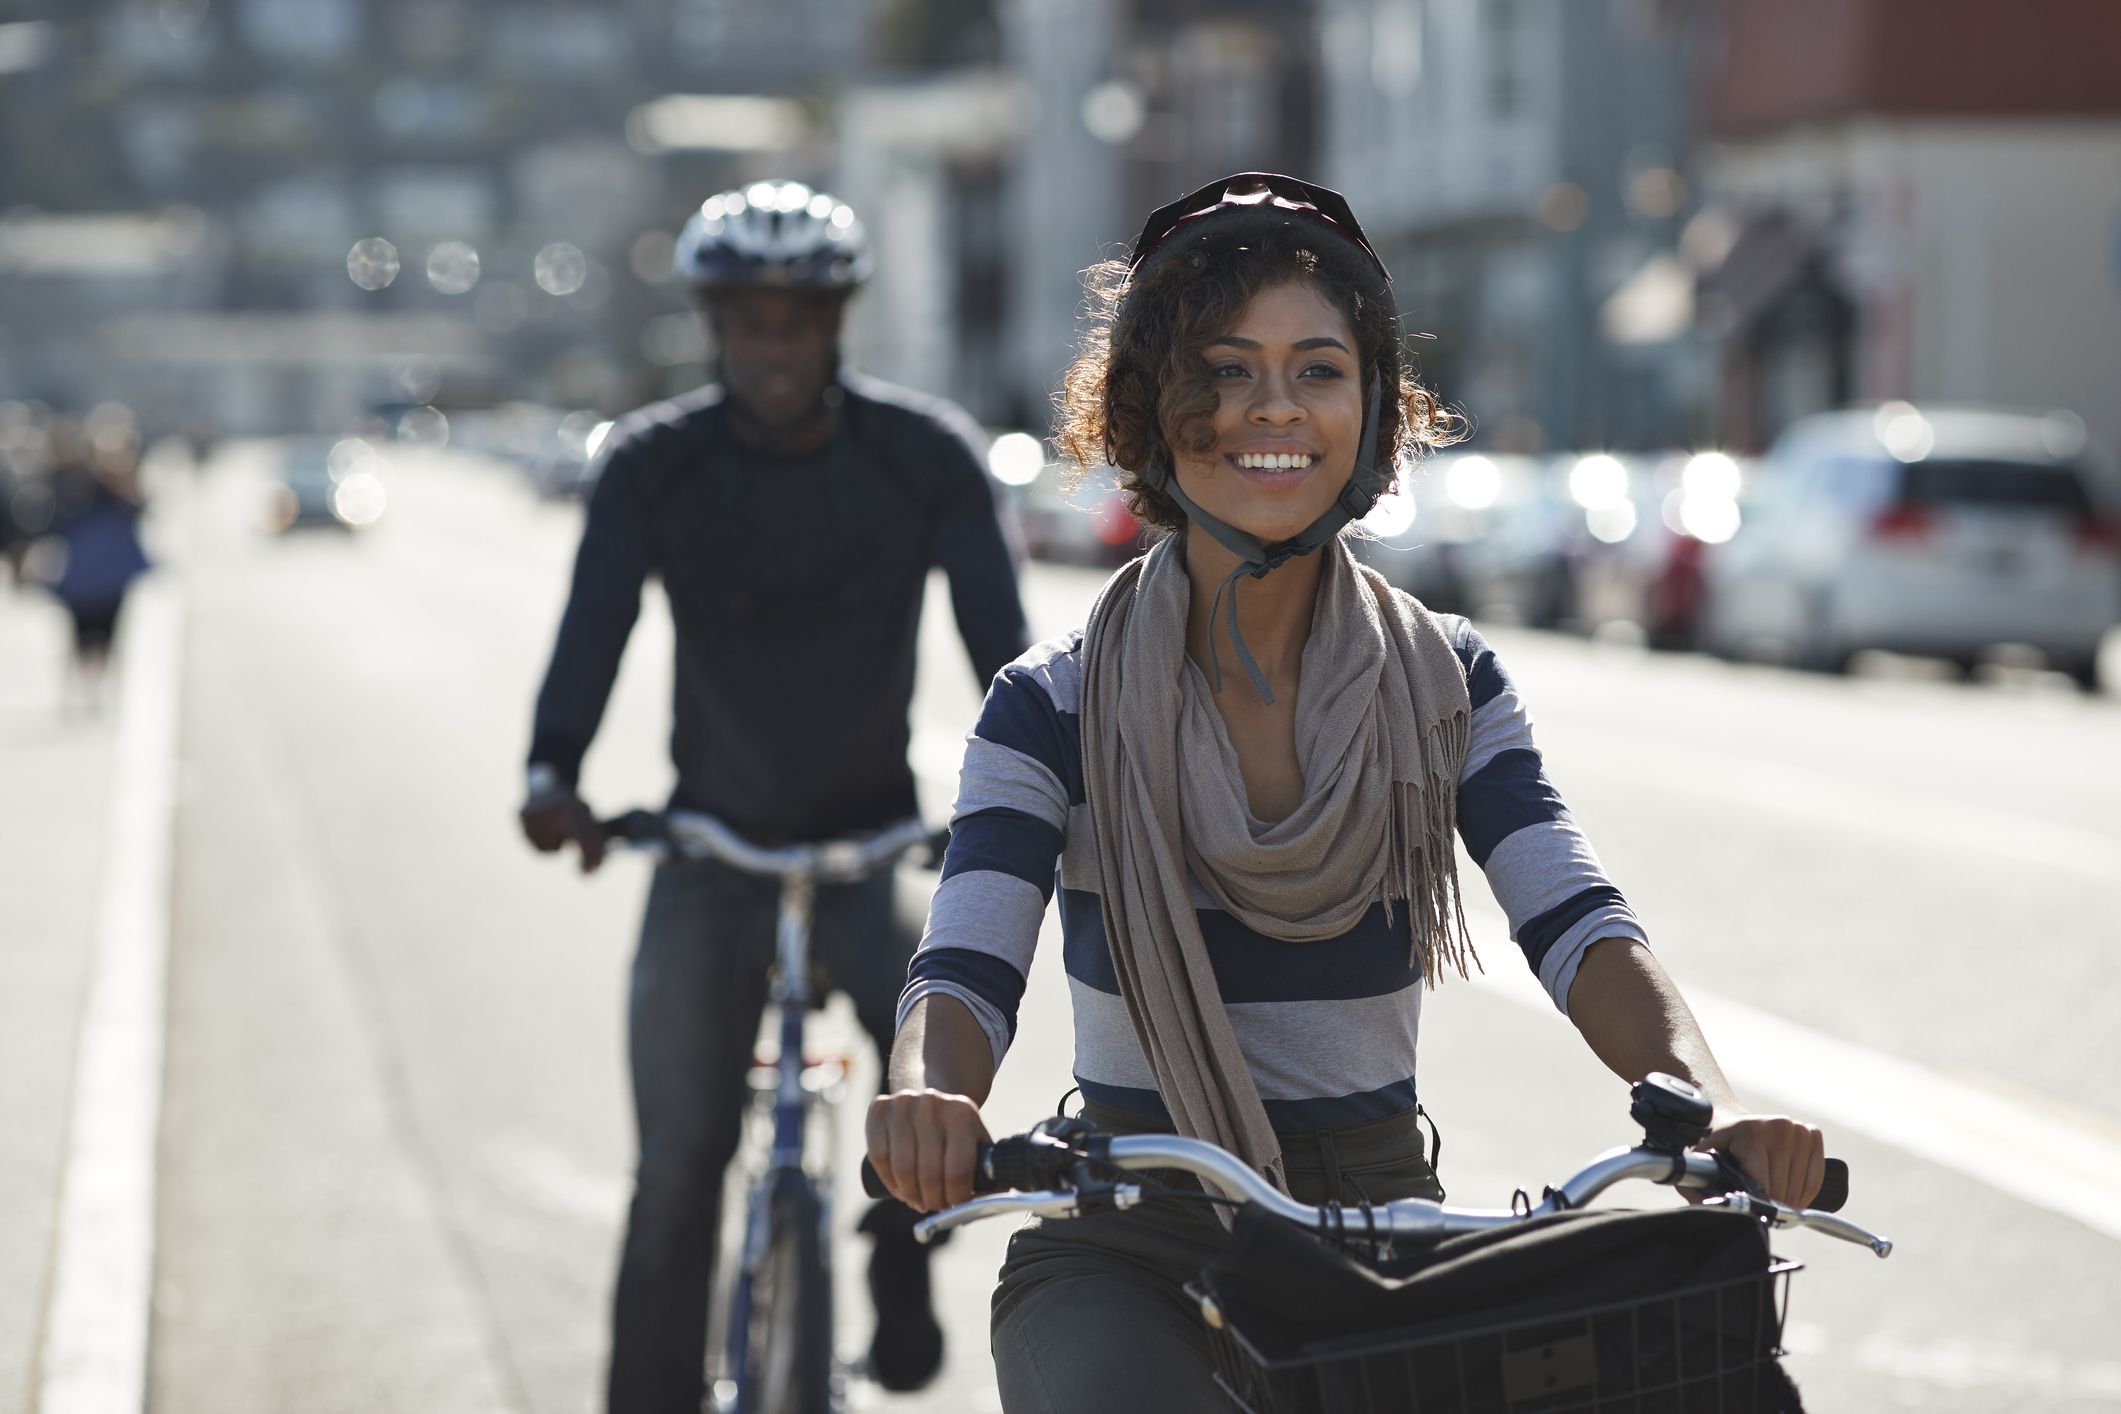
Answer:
[(793, 510), (14, 539), (97, 524)]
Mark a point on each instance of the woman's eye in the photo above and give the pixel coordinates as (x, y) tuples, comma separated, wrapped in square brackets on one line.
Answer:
[(1323, 370), (1228, 370)]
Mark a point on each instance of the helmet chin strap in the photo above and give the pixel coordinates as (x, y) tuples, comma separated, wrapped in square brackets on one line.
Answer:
[(1258, 559)]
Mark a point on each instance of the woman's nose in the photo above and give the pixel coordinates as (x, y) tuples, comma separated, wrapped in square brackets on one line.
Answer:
[(1273, 403)]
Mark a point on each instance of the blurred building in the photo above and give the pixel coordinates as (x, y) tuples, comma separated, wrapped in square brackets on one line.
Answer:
[(995, 178), (272, 214), (1913, 199), (1523, 167)]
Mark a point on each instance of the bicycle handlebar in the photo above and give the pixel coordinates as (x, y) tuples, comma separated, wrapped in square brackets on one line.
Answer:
[(1044, 1173), (699, 836)]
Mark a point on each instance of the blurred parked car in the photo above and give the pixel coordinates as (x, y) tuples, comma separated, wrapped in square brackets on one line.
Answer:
[(1087, 523), (1517, 534), (1941, 531), (1420, 538), (327, 482), (1642, 564)]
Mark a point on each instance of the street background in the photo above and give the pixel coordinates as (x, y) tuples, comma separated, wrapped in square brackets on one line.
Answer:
[(407, 258)]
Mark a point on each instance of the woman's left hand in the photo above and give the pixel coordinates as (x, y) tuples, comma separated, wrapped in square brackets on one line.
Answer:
[(1786, 1157)]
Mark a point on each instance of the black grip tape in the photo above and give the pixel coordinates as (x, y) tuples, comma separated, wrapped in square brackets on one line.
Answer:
[(1833, 1189), (873, 1182)]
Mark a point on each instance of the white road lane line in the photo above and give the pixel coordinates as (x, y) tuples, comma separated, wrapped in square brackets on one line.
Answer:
[(2048, 1154), (93, 1356), (1949, 827)]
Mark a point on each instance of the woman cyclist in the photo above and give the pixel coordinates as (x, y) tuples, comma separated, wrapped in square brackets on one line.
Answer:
[(1247, 767)]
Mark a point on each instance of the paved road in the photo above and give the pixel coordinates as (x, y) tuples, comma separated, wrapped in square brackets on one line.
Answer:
[(395, 1135)]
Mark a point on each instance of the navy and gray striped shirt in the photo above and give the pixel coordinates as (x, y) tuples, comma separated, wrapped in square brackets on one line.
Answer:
[(1328, 1027)]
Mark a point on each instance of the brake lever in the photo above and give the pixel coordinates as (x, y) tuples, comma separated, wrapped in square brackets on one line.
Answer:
[(1054, 1203), (1090, 1195), (1781, 1215)]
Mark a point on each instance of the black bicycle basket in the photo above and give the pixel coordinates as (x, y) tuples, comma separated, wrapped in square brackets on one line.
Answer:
[(1596, 1313)]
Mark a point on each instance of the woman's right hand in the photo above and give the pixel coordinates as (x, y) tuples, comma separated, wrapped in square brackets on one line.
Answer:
[(924, 1144)]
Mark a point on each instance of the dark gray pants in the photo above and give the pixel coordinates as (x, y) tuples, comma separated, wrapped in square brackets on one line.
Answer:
[(1091, 1313), (699, 984)]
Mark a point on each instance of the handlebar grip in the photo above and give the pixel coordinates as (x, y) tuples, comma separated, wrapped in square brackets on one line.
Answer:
[(1834, 1190), (983, 1173), (636, 827)]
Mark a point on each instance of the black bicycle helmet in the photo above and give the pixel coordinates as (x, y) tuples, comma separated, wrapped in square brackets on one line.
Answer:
[(780, 235), (1191, 222)]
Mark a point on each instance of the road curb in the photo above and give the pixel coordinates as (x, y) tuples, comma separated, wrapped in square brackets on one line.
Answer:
[(92, 1357)]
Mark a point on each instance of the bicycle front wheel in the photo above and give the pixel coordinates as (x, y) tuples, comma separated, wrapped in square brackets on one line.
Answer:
[(790, 1343)]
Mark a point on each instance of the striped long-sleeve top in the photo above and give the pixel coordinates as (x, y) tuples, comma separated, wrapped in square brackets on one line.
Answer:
[(1329, 1027)]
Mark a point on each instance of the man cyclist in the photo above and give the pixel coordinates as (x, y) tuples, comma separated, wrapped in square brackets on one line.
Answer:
[(792, 510)]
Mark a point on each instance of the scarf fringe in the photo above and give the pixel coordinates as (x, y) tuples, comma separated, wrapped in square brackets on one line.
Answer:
[(1427, 862)]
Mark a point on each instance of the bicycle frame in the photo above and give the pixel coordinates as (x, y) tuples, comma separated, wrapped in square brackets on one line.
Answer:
[(791, 1113), (800, 869)]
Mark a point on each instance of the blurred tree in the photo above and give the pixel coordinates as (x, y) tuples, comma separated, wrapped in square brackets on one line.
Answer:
[(937, 34)]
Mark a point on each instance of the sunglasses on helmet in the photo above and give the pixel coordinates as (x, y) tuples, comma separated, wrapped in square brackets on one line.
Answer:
[(1254, 191)]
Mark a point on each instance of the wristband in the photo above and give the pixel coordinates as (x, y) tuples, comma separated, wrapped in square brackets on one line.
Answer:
[(540, 781)]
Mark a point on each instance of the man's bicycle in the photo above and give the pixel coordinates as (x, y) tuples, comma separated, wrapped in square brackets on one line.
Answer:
[(777, 1353), (1412, 1306)]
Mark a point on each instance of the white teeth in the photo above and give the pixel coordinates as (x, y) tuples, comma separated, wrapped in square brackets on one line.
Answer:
[(1274, 461)]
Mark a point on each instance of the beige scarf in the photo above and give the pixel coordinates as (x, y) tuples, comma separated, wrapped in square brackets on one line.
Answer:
[(1381, 727)]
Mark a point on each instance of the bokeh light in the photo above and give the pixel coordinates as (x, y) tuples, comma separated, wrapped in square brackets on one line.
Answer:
[(453, 268), (560, 268), (359, 499), (1906, 433), (1564, 206), (1599, 482), (1391, 516), (1473, 482), (373, 263), (1016, 458), (652, 256), (1612, 524), (1710, 474), (424, 427), (1114, 111), (1710, 519)]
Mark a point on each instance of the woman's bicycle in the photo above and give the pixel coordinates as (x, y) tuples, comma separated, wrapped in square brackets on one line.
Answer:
[(1415, 1306), (777, 1352)]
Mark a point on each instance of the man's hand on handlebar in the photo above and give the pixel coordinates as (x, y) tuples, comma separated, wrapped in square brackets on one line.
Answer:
[(924, 1144), (552, 819), (1786, 1157)]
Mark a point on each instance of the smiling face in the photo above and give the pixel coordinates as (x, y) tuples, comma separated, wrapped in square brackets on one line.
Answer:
[(1288, 421), (777, 349)]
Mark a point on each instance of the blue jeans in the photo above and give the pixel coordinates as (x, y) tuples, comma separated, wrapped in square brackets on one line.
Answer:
[(699, 984)]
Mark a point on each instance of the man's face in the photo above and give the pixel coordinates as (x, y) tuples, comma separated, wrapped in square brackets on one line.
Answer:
[(776, 349)]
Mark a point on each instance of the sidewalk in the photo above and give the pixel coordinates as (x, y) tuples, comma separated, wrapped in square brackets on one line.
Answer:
[(53, 817)]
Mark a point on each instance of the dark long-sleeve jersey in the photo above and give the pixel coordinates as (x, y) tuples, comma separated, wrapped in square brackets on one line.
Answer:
[(795, 589)]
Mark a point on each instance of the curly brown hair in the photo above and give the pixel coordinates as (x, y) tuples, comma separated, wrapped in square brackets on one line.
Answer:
[(1139, 385)]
